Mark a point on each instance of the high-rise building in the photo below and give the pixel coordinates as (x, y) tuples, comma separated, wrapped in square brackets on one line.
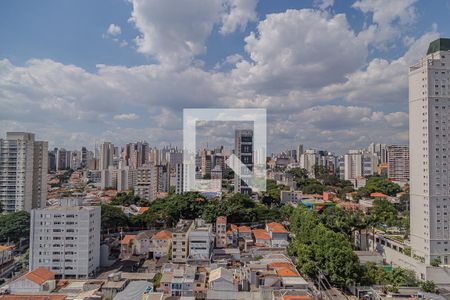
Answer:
[(358, 164), (23, 172), (398, 163), (52, 159), (62, 159), (243, 149), (179, 179), (84, 157), (66, 239), (380, 150), (429, 116), (106, 155), (299, 152), (146, 182)]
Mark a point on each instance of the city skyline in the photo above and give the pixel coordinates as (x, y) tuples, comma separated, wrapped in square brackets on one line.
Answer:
[(124, 75)]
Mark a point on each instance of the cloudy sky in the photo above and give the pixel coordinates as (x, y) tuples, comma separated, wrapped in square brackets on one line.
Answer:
[(331, 74)]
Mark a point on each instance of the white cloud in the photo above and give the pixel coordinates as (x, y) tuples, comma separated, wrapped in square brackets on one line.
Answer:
[(323, 4), (305, 67), (174, 32), (300, 49), (239, 13), (113, 30), (126, 117), (388, 19), (383, 81)]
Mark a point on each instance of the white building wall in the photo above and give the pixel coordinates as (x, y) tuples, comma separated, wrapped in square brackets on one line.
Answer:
[(66, 240), (429, 119)]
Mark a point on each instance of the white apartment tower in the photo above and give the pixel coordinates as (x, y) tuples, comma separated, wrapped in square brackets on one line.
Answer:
[(23, 172), (358, 163), (66, 239), (429, 145)]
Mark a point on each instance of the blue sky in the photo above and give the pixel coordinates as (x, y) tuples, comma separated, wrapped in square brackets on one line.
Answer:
[(212, 53)]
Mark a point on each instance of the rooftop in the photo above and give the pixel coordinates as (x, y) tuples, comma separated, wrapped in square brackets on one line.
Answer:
[(441, 44), (40, 275)]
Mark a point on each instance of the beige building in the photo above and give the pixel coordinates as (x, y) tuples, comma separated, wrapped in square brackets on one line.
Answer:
[(180, 241), (23, 172), (221, 232), (146, 185)]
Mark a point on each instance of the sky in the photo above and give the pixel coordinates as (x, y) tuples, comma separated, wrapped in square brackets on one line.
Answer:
[(332, 74)]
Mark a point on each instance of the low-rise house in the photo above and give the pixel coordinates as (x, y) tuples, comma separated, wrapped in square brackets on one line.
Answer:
[(278, 234), (127, 246), (232, 235), (222, 284), (201, 241), (262, 238), (5, 255), (161, 243), (245, 232), (178, 280), (134, 291), (114, 285), (142, 243), (37, 281)]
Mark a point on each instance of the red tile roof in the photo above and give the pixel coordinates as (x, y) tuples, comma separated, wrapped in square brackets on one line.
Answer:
[(261, 234), (127, 239), (244, 229), (162, 235), (40, 275), (143, 209), (378, 195), (276, 227)]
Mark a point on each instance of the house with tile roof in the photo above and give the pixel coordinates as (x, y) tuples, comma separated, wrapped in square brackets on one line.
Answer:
[(36, 281), (127, 245), (262, 238), (142, 243), (161, 242), (279, 234)]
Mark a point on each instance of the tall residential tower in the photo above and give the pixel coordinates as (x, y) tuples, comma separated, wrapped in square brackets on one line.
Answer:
[(429, 145), (23, 172)]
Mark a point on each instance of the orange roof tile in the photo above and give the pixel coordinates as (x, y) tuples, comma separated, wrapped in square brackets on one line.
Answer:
[(40, 275), (276, 227), (378, 195), (244, 229), (127, 239), (261, 234), (143, 209), (162, 235), (233, 227), (287, 272), (4, 247)]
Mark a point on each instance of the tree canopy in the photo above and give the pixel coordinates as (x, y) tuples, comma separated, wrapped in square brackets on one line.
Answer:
[(14, 226)]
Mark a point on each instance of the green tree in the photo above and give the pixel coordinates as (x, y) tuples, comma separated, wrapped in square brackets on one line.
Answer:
[(384, 212), (112, 218), (428, 286), (14, 226)]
